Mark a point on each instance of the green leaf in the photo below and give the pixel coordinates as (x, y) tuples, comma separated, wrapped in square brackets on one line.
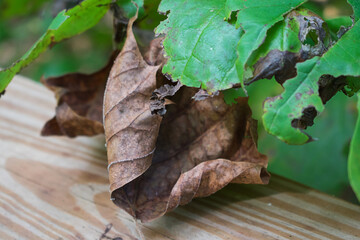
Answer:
[(204, 50), (321, 164), (354, 157), (256, 25), (65, 25), (283, 36), (302, 92), (356, 6), (289, 41), (199, 44)]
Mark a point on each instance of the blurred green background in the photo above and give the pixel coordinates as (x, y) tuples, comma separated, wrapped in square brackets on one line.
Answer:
[(321, 164)]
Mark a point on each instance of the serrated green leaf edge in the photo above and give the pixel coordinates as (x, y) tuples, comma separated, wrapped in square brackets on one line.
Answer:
[(65, 25), (354, 157), (184, 66), (342, 59), (283, 36), (256, 25)]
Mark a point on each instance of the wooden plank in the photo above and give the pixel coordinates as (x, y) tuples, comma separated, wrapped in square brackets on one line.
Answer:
[(57, 188)]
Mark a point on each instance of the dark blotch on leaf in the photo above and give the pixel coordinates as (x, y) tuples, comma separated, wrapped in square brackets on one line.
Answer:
[(2, 93), (314, 35), (276, 63), (329, 86), (306, 120)]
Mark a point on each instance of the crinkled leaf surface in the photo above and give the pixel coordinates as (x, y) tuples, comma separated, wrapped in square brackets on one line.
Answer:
[(201, 46), (202, 146), (80, 99), (302, 92), (354, 157), (65, 25)]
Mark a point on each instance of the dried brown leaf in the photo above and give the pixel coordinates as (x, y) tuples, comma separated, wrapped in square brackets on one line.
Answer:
[(130, 128), (202, 146), (80, 100)]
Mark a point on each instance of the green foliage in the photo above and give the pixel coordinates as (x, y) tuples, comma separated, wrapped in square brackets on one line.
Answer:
[(302, 91), (321, 164), (200, 46), (354, 157), (200, 53), (283, 36), (199, 43), (65, 25), (256, 25)]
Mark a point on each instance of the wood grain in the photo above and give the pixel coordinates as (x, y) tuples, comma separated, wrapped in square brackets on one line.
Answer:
[(56, 188)]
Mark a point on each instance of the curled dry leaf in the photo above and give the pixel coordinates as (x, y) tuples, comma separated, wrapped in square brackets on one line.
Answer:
[(199, 149), (130, 128), (202, 146), (80, 100), (158, 101)]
